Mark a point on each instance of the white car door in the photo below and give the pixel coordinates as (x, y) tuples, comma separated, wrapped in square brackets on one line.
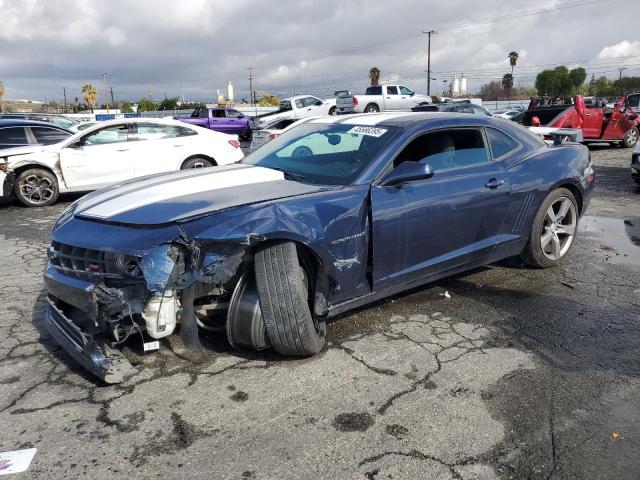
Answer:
[(393, 100), (98, 158), (158, 148), (407, 98)]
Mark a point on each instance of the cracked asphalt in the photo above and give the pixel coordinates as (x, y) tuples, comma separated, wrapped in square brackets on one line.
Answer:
[(521, 374)]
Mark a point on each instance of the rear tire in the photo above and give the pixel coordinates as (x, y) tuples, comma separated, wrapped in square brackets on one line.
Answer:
[(630, 138), (37, 187), (553, 230), (371, 108), (196, 162), (284, 293)]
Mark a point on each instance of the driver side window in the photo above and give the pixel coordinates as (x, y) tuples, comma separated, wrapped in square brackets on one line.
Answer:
[(405, 91), (104, 136), (447, 149)]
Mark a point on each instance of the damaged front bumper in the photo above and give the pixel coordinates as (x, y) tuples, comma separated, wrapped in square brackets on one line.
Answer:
[(101, 360)]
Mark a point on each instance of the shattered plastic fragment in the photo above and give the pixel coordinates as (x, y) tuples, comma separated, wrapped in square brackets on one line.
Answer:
[(446, 294), (157, 266)]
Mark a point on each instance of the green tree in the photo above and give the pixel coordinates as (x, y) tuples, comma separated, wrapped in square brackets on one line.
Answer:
[(89, 95), (374, 75), (626, 85), (147, 105), (169, 104), (126, 107), (268, 100), (513, 59), (560, 81)]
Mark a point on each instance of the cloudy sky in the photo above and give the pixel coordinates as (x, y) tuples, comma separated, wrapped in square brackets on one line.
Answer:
[(310, 46)]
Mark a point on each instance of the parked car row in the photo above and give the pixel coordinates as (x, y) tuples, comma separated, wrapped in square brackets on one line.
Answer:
[(106, 153)]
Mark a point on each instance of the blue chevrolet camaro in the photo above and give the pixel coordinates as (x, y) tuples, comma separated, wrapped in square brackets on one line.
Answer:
[(332, 215)]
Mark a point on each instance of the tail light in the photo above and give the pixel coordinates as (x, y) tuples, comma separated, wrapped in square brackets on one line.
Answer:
[(355, 100), (272, 136), (234, 143)]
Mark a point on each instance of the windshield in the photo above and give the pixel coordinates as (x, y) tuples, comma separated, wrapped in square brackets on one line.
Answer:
[(326, 154)]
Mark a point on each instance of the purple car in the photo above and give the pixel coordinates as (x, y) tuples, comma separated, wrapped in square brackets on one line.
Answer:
[(225, 120)]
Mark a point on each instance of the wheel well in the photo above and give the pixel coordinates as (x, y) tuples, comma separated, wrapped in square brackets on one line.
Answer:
[(28, 166), (206, 157), (576, 193), (374, 104)]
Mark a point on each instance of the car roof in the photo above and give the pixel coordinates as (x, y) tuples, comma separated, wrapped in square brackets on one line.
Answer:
[(406, 119), (12, 122)]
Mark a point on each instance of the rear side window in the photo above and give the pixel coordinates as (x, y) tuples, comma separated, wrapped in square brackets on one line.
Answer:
[(392, 90), (184, 132), (217, 113), (501, 143), (204, 113), (152, 131), (633, 101), (47, 136), (447, 149), (13, 136), (376, 90)]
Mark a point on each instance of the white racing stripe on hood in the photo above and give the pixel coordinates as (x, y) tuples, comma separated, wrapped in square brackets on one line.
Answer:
[(216, 180)]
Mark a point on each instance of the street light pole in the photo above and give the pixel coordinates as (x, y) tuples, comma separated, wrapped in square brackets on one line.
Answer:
[(429, 33), (106, 95)]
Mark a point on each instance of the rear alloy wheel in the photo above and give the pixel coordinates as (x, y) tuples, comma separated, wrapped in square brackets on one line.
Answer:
[(36, 187), (196, 162), (285, 295), (371, 108), (554, 229), (630, 138)]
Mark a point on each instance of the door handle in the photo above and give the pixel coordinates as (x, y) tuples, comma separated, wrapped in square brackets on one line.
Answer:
[(122, 150), (494, 183), (177, 146)]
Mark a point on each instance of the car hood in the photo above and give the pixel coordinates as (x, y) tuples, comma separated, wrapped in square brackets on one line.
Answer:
[(179, 196)]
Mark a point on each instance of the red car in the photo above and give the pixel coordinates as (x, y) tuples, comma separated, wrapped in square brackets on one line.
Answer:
[(599, 124)]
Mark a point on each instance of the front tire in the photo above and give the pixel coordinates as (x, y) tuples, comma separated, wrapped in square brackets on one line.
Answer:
[(553, 230), (37, 187), (196, 162), (630, 138), (283, 288)]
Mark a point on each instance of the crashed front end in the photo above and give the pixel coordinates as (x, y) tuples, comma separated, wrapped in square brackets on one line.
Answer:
[(99, 299)]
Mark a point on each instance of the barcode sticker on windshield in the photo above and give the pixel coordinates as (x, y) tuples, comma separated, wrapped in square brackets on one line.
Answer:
[(370, 131)]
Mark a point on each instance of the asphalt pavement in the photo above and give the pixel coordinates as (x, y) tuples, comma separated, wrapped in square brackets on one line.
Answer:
[(520, 374)]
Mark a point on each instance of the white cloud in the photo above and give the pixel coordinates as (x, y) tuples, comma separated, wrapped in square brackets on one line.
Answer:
[(622, 49)]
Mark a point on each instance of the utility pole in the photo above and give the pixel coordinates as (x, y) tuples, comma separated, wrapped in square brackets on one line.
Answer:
[(106, 96), (620, 69), (429, 33), (64, 92), (252, 95)]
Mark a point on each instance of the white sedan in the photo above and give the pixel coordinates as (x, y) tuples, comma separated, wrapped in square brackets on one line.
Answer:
[(111, 152)]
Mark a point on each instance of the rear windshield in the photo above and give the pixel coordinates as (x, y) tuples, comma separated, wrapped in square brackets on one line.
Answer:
[(326, 154)]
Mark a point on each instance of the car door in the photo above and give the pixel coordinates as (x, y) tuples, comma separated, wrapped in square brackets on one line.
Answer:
[(219, 121), (156, 148), (237, 122), (312, 106), (407, 97), (100, 157), (392, 98), (593, 122), (425, 227)]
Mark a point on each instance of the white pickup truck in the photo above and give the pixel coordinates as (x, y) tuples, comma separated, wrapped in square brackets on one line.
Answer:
[(380, 98), (300, 106)]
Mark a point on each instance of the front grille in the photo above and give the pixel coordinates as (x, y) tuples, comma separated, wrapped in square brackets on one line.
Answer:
[(85, 261)]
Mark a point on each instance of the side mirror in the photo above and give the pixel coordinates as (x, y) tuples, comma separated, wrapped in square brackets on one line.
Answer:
[(412, 94), (77, 144), (408, 171)]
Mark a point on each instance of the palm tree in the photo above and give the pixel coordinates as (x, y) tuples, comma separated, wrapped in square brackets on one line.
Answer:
[(513, 59), (507, 83), (374, 75), (90, 95), (1, 94)]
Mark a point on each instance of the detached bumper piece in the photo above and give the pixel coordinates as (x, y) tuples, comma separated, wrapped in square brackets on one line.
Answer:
[(101, 360)]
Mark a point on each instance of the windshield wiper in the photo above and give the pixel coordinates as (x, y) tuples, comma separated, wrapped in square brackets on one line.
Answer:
[(298, 177)]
